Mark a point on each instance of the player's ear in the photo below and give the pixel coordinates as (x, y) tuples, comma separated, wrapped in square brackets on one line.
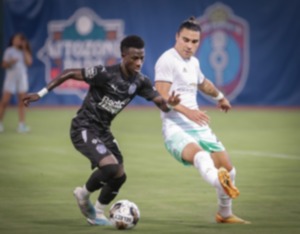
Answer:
[(124, 52)]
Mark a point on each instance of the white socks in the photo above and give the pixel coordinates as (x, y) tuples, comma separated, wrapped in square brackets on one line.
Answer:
[(205, 165), (224, 201), (84, 192), (99, 207)]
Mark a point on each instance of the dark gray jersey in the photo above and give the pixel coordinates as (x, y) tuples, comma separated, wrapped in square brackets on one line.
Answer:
[(109, 93)]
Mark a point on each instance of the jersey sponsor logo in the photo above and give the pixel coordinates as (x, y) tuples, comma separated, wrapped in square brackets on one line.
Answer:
[(112, 106), (83, 40), (224, 49)]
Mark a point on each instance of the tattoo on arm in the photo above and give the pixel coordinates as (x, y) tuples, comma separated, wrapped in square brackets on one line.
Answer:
[(208, 88)]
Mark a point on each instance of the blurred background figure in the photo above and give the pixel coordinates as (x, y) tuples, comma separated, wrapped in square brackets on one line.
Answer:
[(17, 57)]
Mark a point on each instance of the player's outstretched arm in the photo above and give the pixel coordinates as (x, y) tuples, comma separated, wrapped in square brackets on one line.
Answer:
[(168, 105), (67, 74), (210, 89)]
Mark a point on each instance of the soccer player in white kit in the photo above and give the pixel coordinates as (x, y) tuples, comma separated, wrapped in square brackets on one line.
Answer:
[(187, 135)]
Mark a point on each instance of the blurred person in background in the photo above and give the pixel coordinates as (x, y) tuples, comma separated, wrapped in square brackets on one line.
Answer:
[(17, 57)]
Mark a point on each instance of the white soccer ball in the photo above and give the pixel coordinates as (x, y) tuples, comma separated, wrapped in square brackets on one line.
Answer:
[(124, 214)]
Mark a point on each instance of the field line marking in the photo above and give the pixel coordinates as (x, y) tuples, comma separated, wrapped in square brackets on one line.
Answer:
[(265, 154), (52, 150)]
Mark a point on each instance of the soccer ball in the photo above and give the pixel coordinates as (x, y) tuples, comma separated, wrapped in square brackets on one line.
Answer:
[(124, 214)]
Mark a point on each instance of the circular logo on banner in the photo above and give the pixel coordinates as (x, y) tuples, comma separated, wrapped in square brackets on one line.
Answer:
[(83, 40), (224, 49)]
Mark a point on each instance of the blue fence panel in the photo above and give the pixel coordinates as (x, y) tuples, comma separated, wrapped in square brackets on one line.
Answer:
[(249, 49)]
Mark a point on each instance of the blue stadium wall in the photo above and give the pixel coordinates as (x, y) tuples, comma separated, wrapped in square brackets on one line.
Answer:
[(249, 48)]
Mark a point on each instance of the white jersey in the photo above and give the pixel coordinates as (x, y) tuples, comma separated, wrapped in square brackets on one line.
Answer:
[(185, 75)]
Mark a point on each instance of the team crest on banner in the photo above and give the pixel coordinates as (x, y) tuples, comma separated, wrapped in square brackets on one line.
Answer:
[(83, 40), (224, 49)]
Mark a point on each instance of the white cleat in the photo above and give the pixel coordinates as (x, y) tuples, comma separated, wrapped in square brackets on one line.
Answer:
[(84, 203)]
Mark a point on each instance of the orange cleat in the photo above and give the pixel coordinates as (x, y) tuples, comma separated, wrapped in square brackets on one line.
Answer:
[(227, 184), (231, 219)]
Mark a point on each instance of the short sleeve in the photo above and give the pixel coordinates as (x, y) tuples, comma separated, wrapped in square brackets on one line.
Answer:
[(200, 75), (95, 76), (163, 70), (146, 90)]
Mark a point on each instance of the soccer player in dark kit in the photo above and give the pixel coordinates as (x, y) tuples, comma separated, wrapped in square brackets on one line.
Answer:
[(111, 89)]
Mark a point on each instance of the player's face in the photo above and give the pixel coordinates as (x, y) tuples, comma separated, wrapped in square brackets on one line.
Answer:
[(133, 60), (187, 42)]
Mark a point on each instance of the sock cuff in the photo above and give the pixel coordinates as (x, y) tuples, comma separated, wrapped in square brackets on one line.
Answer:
[(99, 206), (85, 190)]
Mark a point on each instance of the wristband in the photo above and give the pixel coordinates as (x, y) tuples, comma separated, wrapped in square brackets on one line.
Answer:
[(219, 97), (169, 106), (42, 92)]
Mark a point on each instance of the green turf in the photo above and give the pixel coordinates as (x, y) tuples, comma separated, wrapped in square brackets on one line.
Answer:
[(39, 170)]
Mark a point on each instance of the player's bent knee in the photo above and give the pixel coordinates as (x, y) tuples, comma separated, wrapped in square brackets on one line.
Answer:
[(116, 183), (111, 171)]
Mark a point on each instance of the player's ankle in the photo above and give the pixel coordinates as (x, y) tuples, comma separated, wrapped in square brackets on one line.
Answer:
[(100, 208)]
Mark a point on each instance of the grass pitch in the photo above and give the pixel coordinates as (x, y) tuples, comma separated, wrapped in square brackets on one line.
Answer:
[(39, 170)]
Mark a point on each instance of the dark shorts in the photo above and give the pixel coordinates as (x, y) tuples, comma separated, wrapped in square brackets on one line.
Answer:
[(95, 145)]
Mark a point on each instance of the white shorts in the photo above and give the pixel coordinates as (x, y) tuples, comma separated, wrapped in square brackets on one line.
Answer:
[(15, 84), (204, 138)]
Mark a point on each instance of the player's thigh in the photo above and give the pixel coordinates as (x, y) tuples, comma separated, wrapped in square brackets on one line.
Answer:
[(91, 146), (189, 152), (182, 147), (112, 144), (210, 143)]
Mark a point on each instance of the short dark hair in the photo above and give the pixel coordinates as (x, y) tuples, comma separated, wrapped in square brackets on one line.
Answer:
[(132, 41), (191, 24)]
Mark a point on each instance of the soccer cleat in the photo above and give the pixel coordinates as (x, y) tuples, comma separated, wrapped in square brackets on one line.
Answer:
[(84, 203), (227, 184), (231, 219), (100, 220)]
